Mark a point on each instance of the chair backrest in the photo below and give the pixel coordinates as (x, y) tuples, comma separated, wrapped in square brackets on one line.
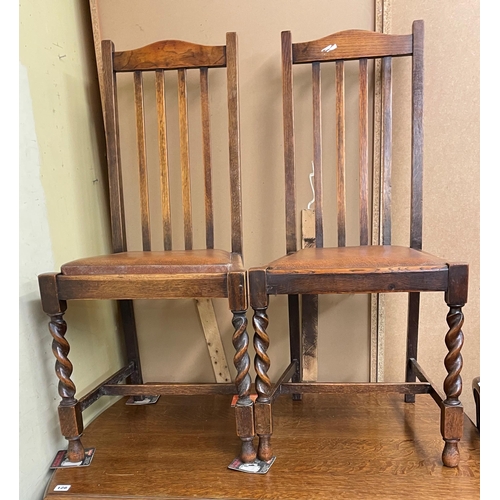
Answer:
[(339, 47), (159, 57)]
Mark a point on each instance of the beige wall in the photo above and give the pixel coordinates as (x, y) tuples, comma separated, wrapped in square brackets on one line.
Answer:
[(63, 216)]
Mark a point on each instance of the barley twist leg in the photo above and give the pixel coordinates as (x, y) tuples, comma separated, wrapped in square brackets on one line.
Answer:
[(244, 405), (69, 411), (262, 384), (452, 412)]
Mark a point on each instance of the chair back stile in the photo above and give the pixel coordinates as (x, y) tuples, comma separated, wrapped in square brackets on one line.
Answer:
[(337, 48), (159, 57)]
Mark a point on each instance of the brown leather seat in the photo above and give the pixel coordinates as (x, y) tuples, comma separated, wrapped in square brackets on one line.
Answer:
[(183, 261), (358, 259)]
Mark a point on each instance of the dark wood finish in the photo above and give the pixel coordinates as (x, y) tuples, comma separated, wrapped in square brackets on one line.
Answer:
[(185, 170), (288, 374), (141, 151), (340, 104), (170, 54), (234, 144), (363, 152), (127, 275), (289, 142), (91, 397), (353, 446), (295, 333), (412, 339), (354, 387), (118, 233), (367, 269), (163, 156), (162, 389), (317, 154), (386, 149), (352, 44), (207, 161), (417, 135)]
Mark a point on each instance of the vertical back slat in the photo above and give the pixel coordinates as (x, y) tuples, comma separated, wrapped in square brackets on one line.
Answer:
[(163, 152), (363, 152), (318, 191), (340, 105), (289, 142), (417, 137), (141, 149), (118, 235), (234, 143), (184, 152), (386, 148), (207, 162)]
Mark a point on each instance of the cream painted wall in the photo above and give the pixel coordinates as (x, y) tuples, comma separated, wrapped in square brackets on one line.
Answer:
[(63, 216), (170, 337), (451, 178)]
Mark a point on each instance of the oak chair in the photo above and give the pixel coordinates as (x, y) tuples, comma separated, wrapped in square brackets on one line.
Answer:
[(126, 275), (367, 268)]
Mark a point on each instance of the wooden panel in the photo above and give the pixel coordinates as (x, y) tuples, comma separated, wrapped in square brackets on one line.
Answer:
[(185, 170), (141, 151), (386, 149), (170, 54), (317, 150), (289, 141), (352, 44), (234, 143), (207, 162), (363, 152), (417, 137), (163, 155), (139, 286), (340, 105), (328, 282), (213, 340)]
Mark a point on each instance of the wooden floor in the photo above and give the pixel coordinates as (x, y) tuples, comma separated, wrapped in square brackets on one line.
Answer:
[(327, 447)]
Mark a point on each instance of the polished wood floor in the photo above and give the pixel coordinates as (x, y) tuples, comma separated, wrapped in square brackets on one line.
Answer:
[(327, 447)]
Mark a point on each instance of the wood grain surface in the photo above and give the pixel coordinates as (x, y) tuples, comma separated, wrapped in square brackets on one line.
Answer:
[(347, 447)]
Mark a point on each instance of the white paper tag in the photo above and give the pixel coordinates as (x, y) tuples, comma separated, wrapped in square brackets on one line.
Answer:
[(62, 487)]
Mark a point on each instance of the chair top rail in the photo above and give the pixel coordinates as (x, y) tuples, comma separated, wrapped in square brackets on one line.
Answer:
[(170, 54), (352, 44)]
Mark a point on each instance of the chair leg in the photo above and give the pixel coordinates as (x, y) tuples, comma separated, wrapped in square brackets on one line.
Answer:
[(263, 413), (412, 340), (70, 413), (126, 308), (452, 418), (244, 406), (295, 344)]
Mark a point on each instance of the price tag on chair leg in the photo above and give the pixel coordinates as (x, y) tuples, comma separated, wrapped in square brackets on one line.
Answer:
[(255, 467)]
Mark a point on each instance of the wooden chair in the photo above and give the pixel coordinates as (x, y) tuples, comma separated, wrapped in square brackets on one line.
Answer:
[(145, 274), (369, 269)]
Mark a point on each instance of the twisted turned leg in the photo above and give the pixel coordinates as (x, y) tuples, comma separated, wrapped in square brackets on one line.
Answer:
[(70, 414), (452, 411), (244, 406), (263, 415)]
